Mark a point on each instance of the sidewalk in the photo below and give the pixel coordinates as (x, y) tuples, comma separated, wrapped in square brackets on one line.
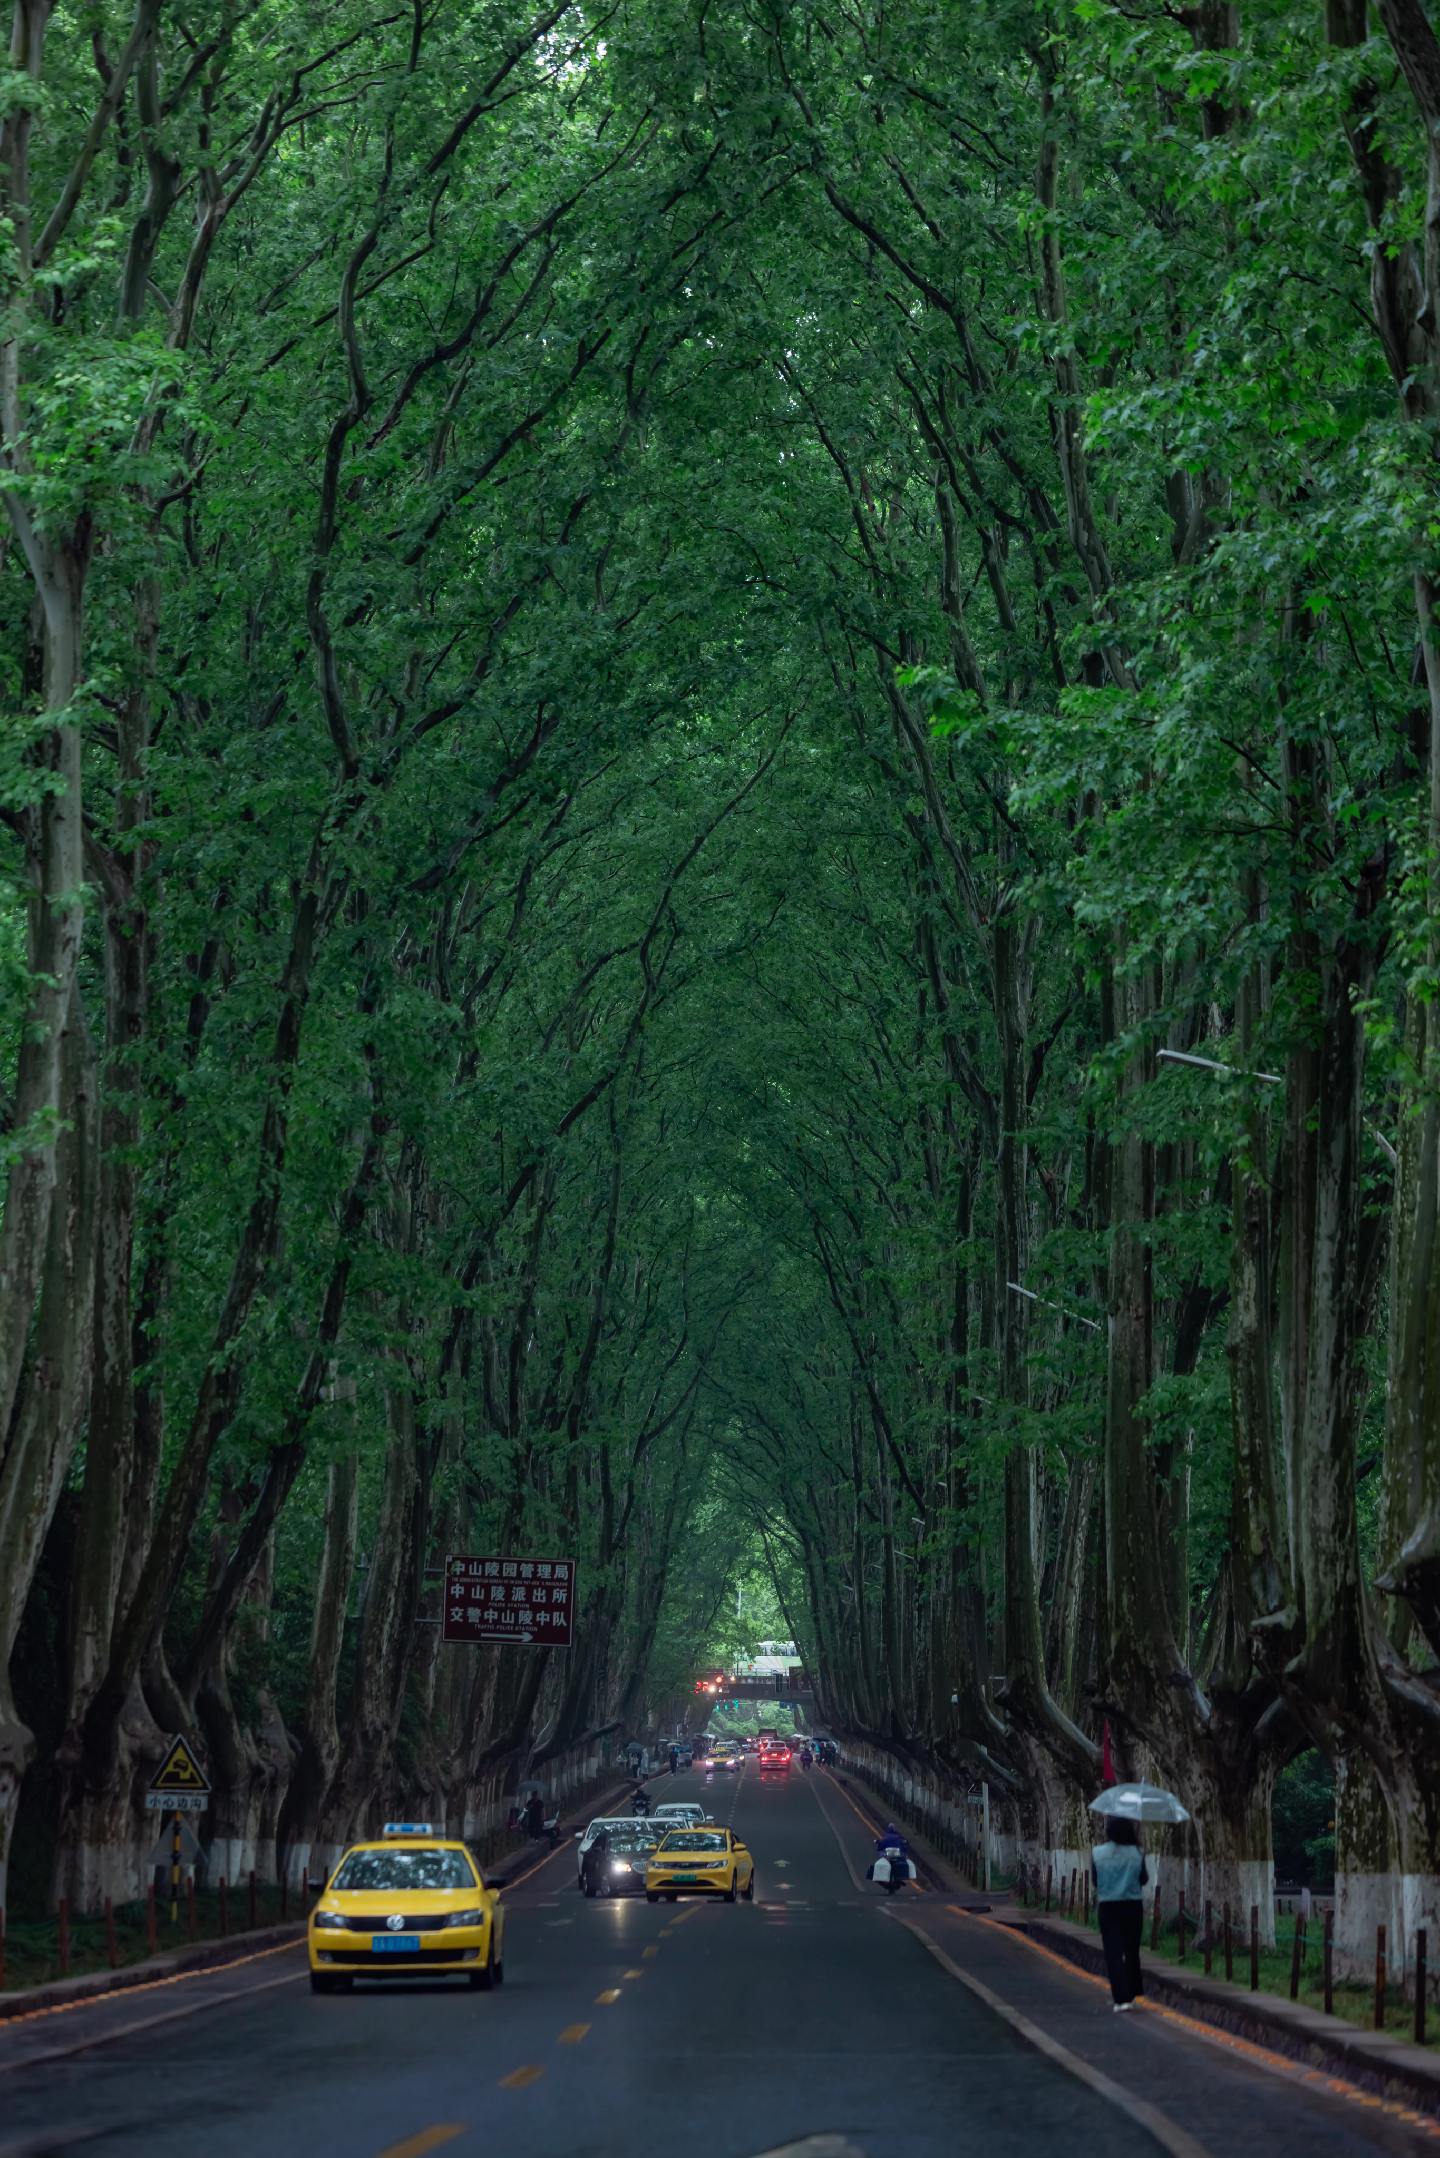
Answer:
[(1401, 2072), (1377, 2060), (1219, 2092)]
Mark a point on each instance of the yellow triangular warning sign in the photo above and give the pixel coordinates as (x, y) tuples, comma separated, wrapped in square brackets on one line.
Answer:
[(179, 1771)]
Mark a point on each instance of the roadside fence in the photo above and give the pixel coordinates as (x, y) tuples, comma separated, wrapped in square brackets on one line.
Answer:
[(1216, 1940), (34, 1950)]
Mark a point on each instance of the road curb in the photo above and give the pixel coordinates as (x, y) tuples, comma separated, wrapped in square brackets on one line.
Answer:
[(1390, 2067), (198, 1956), (201, 1956)]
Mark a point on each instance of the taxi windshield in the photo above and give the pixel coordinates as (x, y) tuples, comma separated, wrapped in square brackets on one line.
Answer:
[(378, 1871), (694, 1839)]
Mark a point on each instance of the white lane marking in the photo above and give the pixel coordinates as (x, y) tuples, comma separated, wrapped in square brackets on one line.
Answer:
[(824, 1812), (816, 2147), (1170, 2138)]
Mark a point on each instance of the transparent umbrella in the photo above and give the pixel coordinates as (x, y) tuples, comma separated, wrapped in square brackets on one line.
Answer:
[(1138, 1802)]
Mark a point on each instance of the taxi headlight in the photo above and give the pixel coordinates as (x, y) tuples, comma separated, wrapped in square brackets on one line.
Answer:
[(330, 1921), (466, 1918)]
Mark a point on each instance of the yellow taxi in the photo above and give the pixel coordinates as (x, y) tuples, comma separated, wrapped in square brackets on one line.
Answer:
[(705, 1861), (414, 1904)]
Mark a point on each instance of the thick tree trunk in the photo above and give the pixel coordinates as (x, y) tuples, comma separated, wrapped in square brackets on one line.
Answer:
[(1028, 1698), (106, 1494), (1367, 1876), (319, 1753), (56, 863), (386, 1645), (138, 1626), (51, 1407)]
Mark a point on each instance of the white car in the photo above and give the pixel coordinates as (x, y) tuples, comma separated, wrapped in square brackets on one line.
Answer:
[(683, 1813), (625, 1826)]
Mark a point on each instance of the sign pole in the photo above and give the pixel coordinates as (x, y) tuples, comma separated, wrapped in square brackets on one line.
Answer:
[(174, 1869), (985, 1789)]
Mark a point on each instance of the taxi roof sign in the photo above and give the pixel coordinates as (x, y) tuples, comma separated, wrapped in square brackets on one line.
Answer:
[(180, 1774), (408, 1828)]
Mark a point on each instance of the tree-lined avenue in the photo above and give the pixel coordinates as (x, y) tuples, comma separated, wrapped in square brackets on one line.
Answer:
[(742, 2028)]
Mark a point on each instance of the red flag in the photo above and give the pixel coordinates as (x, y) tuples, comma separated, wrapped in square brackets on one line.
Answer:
[(1107, 1758)]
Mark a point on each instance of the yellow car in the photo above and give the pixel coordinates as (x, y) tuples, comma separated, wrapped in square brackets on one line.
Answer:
[(409, 1906), (700, 1862)]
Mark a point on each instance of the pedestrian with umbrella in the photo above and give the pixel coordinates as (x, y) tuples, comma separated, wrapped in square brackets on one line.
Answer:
[(1120, 1874)]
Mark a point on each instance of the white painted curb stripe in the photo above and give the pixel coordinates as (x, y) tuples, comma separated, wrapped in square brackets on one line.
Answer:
[(1150, 2118)]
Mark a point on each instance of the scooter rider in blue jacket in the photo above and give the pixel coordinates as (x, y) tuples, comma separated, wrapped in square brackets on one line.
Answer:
[(893, 1848)]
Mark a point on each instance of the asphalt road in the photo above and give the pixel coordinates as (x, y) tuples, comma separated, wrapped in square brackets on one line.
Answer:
[(889, 2029)]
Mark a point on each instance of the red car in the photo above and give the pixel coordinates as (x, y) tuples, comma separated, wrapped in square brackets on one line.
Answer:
[(774, 1757)]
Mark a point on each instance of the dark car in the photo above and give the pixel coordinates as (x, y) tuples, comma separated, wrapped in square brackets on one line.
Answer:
[(623, 1871)]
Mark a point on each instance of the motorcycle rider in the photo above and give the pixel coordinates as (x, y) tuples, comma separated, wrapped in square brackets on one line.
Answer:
[(806, 1757), (893, 1847), (640, 1802), (594, 1878)]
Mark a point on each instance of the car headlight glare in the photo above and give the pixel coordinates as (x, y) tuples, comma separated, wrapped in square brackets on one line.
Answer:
[(330, 1921), (466, 1918)]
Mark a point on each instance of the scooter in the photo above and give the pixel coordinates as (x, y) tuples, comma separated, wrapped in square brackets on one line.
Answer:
[(891, 1869)]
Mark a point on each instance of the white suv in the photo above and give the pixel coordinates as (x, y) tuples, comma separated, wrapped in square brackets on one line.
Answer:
[(684, 1813)]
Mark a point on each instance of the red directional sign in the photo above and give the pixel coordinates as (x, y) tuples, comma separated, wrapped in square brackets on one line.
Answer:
[(530, 1601)]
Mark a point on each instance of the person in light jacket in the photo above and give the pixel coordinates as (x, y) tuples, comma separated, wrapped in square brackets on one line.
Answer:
[(1118, 1870)]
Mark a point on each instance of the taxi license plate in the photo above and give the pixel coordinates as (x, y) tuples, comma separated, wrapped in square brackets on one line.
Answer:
[(683, 1880), (394, 1944)]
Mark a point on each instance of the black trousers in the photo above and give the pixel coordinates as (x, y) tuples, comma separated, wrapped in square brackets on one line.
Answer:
[(1121, 1925)]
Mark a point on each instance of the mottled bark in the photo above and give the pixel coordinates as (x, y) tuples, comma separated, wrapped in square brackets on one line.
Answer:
[(319, 1732), (50, 1411), (386, 1644)]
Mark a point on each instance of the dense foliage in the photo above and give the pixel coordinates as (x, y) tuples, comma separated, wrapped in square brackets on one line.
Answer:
[(723, 849)]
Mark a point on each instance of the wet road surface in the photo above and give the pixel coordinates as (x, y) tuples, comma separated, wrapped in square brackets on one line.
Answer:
[(907, 2028)]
